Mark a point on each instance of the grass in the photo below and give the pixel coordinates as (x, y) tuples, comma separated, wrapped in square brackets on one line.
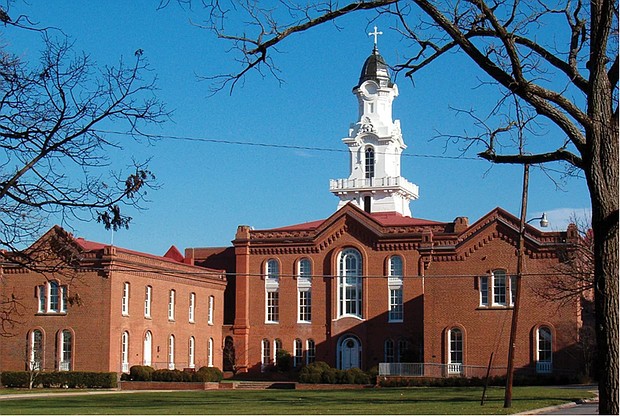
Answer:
[(420, 400)]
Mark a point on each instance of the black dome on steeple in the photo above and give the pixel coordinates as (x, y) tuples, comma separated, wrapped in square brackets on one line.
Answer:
[(375, 69)]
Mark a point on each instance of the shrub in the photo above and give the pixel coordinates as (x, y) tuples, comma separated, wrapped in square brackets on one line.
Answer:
[(15, 378), (141, 373), (171, 375), (283, 361), (358, 376), (207, 374)]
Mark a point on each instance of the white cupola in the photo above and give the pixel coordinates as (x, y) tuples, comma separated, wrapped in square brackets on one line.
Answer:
[(375, 145)]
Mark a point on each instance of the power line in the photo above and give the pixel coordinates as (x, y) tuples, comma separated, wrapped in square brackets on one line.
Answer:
[(278, 146)]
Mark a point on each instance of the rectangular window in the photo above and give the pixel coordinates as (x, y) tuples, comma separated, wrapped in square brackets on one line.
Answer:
[(211, 309), (499, 288), (147, 301), (42, 298), (273, 307), (125, 299), (396, 305), (484, 290), (192, 306), (54, 297), (305, 306), (171, 300)]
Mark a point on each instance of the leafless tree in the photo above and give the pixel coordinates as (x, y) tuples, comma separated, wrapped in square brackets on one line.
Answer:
[(557, 60), (54, 163)]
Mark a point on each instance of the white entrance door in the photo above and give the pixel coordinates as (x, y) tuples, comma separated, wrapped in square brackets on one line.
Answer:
[(148, 345), (350, 353)]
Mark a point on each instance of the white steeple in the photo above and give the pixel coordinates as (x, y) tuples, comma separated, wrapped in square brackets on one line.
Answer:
[(375, 145)]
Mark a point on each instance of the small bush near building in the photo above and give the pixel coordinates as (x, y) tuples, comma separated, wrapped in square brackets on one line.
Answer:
[(208, 374), (320, 372), (141, 373), (15, 379)]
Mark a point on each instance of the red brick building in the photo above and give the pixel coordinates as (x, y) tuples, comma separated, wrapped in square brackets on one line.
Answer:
[(95, 307), (371, 284)]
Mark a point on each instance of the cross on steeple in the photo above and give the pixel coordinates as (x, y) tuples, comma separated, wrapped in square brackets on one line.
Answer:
[(375, 34)]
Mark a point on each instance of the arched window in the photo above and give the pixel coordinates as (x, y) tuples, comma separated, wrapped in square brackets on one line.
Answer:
[(36, 350), (211, 310), (395, 288), (230, 358), (191, 353), (350, 283), (544, 353), (310, 351), (52, 298), (171, 365), (66, 351), (298, 352), (210, 353), (272, 296), (369, 164), (265, 354), (125, 352), (304, 290), (277, 347), (148, 348), (455, 353), (388, 351), (54, 305)]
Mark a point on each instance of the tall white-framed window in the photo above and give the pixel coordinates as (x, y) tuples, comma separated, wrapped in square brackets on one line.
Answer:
[(171, 346), (125, 300), (350, 283), (192, 306), (388, 351), (272, 287), (310, 351), (147, 352), (497, 290), (171, 304), (544, 350), (265, 354), (210, 353), (191, 354), (36, 350), (52, 297), (66, 351), (455, 353), (125, 352), (211, 310), (277, 347), (304, 290), (298, 352), (395, 289), (148, 296)]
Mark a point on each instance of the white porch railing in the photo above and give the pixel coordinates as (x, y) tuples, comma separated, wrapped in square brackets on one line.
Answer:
[(401, 369), (351, 185), (455, 368), (544, 367)]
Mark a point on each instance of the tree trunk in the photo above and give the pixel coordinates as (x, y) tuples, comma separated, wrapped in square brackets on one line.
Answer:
[(602, 176)]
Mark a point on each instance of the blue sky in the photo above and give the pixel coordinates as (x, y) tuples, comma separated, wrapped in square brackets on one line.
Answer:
[(208, 188)]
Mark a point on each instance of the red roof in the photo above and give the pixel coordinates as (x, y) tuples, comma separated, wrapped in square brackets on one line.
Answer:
[(172, 254), (387, 219)]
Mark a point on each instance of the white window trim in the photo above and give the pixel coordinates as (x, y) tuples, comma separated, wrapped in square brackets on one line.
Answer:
[(191, 353), (44, 298), (148, 295), (359, 285), (510, 288), (210, 310), (171, 304), (125, 299), (192, 307)]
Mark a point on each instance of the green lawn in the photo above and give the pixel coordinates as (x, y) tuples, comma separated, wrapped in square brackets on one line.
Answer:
[(420, 400)]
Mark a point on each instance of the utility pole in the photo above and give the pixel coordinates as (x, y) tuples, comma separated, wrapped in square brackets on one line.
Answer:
[(515, 310)]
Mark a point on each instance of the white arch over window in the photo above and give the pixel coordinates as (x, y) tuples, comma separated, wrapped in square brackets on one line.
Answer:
[(350, 283)]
